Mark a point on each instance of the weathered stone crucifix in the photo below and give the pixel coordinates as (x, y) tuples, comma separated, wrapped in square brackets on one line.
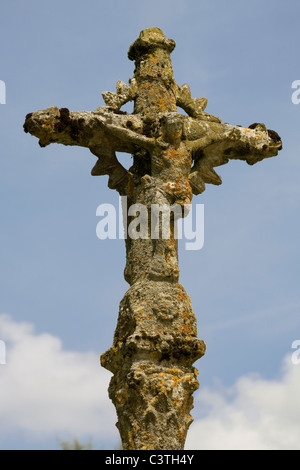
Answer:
[(174, 156)]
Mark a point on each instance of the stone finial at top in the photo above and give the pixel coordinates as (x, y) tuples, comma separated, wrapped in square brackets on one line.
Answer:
[(148, 39)]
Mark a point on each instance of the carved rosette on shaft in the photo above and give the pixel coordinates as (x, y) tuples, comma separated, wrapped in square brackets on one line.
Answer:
[(174, 155)]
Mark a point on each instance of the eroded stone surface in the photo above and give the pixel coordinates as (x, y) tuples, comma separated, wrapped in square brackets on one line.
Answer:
[(155, 345), (174, 156)]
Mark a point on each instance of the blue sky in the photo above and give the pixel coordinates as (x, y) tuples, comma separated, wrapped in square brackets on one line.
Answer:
[(61, 285)]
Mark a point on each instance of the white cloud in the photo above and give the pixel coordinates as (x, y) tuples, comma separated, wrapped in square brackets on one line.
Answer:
[(47, 392), (254, 414)]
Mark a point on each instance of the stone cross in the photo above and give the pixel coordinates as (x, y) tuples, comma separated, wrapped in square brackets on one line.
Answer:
[(174, 156)]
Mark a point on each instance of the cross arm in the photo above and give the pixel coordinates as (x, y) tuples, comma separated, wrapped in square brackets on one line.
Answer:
[(214, 144), (103, 131), (101, 127)]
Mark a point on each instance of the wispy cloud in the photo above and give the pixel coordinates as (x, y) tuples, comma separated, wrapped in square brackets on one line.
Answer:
[(48, 392), (276, 319), (254, 414)]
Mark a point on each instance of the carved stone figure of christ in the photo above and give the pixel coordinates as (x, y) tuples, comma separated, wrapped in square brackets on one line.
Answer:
[(174, 157)]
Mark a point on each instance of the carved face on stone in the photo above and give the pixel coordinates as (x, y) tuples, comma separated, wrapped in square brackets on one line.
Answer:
[(172, 127)]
